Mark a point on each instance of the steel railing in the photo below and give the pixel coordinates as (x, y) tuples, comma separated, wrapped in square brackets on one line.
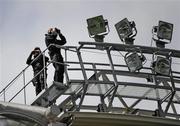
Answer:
[(114, 69), (22, 73)]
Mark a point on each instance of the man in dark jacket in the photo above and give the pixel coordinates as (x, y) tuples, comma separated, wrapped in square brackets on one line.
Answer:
[(55, 53), (37, 63)]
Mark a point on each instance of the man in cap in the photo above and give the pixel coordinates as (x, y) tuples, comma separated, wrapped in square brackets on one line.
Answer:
[(55, 53), (38, 61)]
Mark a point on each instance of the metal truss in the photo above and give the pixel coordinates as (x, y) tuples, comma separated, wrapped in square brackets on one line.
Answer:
[(102, 80), (160, 82)]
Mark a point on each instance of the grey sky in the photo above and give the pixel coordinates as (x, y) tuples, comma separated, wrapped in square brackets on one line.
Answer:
[(24, 22)]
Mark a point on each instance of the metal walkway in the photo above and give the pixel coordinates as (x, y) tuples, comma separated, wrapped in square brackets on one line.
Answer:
[(97, 79)]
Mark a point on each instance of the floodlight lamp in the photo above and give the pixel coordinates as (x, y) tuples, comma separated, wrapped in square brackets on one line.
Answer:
[(163, 33), (162, 65), (97, 27), (134, 61), (126, 30), (165, 30)]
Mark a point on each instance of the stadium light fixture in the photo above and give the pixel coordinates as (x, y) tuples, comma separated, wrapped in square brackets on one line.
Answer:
[(162, 65), (97, 28), (134, 61), (126, 30), (162, 34)]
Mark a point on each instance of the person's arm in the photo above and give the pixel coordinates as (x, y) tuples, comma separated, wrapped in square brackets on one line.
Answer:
[(62, 41), (62, 37), (29, 59)]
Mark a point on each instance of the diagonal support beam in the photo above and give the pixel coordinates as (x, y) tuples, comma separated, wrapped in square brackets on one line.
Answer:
[(137, 101), (173, 89), (114, 77), (105, 78), (85, 86), (169, 102), (123, 102)]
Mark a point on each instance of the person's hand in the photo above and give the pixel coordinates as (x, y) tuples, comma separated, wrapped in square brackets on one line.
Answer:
[(58, 30), (32, 52)]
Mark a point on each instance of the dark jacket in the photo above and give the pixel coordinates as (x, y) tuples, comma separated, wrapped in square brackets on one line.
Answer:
[(51, 39), (36, 64)]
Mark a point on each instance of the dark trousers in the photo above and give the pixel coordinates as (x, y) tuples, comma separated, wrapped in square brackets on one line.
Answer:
[(59, 68), (38, 82)]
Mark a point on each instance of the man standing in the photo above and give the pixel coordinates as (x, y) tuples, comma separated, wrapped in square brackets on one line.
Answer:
[(55, 53), (37, 63)]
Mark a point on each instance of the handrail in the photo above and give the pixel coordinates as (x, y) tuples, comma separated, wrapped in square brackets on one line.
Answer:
[(33, 78), (100, 76), (23, 71), (11, 82), (28, 82), (58, 46)]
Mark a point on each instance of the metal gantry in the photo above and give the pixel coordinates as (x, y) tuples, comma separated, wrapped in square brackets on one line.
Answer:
[(117, 89)]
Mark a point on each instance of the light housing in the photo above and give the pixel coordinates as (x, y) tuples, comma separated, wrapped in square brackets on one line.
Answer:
[(165, 30), (162, 34), (97, 26), (162, 66), (134, 61), (126, 30)]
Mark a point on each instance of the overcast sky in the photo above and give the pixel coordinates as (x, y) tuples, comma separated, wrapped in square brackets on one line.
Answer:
[(23, 24)]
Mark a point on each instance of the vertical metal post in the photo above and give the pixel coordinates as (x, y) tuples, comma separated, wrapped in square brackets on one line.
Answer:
[(154, 78), (172, 104), (159, 107), (173, 89), (160, 110), (82, 65), (105, 78), (103, 104), (114, 77), (95, 72), (44, 70), (24, 82), (97, 78), (66, 71), (85, 86), (156, 90), (112, 67), (4, 94)]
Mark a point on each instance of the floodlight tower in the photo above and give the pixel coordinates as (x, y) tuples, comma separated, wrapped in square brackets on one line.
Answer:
[(98, 28), (126, 31), (162, 34)]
